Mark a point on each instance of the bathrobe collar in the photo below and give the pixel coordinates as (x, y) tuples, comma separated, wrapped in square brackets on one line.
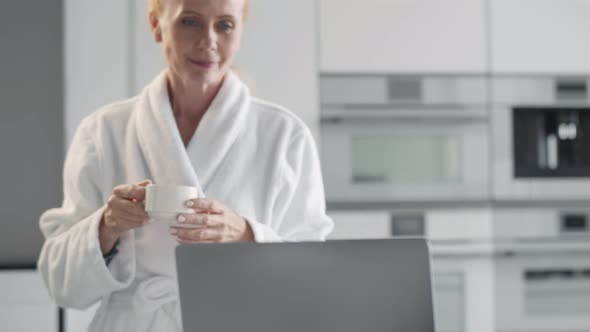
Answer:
[(168, 160)]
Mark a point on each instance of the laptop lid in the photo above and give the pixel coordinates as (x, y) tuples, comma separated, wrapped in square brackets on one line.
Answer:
[(340, 286)]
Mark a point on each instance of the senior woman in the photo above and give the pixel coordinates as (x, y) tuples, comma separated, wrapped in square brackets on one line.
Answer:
[(196, 124)]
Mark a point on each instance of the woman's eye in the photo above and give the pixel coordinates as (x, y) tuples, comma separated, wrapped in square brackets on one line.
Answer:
[(225, 26), (189, 21)]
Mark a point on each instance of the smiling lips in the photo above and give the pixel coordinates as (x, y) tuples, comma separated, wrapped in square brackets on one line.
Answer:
[(205, 64)]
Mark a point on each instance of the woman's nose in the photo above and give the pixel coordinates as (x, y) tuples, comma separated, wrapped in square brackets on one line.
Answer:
[(209, 40)]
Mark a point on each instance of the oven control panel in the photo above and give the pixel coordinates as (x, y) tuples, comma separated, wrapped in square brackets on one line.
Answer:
[(573, 223)]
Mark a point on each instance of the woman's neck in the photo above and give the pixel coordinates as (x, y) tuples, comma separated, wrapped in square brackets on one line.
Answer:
[(190, 99)]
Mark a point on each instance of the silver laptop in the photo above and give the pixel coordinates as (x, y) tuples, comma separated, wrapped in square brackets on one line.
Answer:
[(334, 286)]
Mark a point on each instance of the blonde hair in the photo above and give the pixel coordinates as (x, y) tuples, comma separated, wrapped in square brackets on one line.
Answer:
[(155, 6)]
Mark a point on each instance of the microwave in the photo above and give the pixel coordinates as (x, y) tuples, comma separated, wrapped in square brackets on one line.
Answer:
[(389, 138)]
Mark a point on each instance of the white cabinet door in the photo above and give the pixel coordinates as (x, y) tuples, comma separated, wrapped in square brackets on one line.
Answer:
[(146, 57), (278, 56), (548, 36), (96, 51), (463, 292), (25, 304), (409, 36)]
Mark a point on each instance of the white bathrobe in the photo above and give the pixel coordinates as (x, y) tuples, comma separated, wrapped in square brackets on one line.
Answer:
[(255, 157)]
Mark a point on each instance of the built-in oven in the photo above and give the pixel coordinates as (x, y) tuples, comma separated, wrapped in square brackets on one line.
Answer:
[(461, 257), (404, 138), (541, 138), (543, 289), (542, 269)]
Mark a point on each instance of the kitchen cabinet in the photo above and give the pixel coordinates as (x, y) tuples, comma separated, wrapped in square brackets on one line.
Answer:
[(25, 304), (146, 57), (461, 224), (360, 225), (463, 291), (540, 36), (278, 56), (543, 289), (462, 275), (466, 224), (403, 36), (96, 50)]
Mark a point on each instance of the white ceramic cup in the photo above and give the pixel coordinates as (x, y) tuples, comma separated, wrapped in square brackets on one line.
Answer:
[(165, 202)]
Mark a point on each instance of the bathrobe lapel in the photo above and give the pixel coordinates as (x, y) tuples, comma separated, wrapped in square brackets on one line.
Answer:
[(218, 130), (168, 161)]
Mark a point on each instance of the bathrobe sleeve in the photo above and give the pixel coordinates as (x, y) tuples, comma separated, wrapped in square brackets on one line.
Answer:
[(71, 261), (299, 211)]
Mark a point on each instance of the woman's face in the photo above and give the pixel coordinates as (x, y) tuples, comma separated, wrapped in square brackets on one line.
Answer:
[(199, 37)]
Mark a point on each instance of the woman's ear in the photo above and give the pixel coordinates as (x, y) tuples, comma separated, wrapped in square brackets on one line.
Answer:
[(155, 26)]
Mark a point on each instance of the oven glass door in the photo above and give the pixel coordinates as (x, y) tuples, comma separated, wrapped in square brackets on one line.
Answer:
[(545, 292), (404, 160)]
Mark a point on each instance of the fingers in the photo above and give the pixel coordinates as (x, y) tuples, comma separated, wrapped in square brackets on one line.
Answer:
[(194, 242), (122, 214), (123, 206), (120, 222), (205, 204), (134, 191), (200, 219), (144, 183), (197, 235)]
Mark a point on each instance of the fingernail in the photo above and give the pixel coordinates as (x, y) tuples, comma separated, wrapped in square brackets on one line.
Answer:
[(190, 203), (173, 231), (181, 219)]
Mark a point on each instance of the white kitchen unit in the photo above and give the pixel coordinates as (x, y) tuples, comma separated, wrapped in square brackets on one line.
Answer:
[(462, 261), (350, 225), (544, 288), (403, 36), (391, 138), (146, 57), (96, 57), (278, 56), (463, 286), (464, 224), (533, 138), (542, 269), (540, 36), (25, 304)]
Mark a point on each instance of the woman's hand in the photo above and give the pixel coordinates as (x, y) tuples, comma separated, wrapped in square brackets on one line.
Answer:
[(212, 222), (125, 210)]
